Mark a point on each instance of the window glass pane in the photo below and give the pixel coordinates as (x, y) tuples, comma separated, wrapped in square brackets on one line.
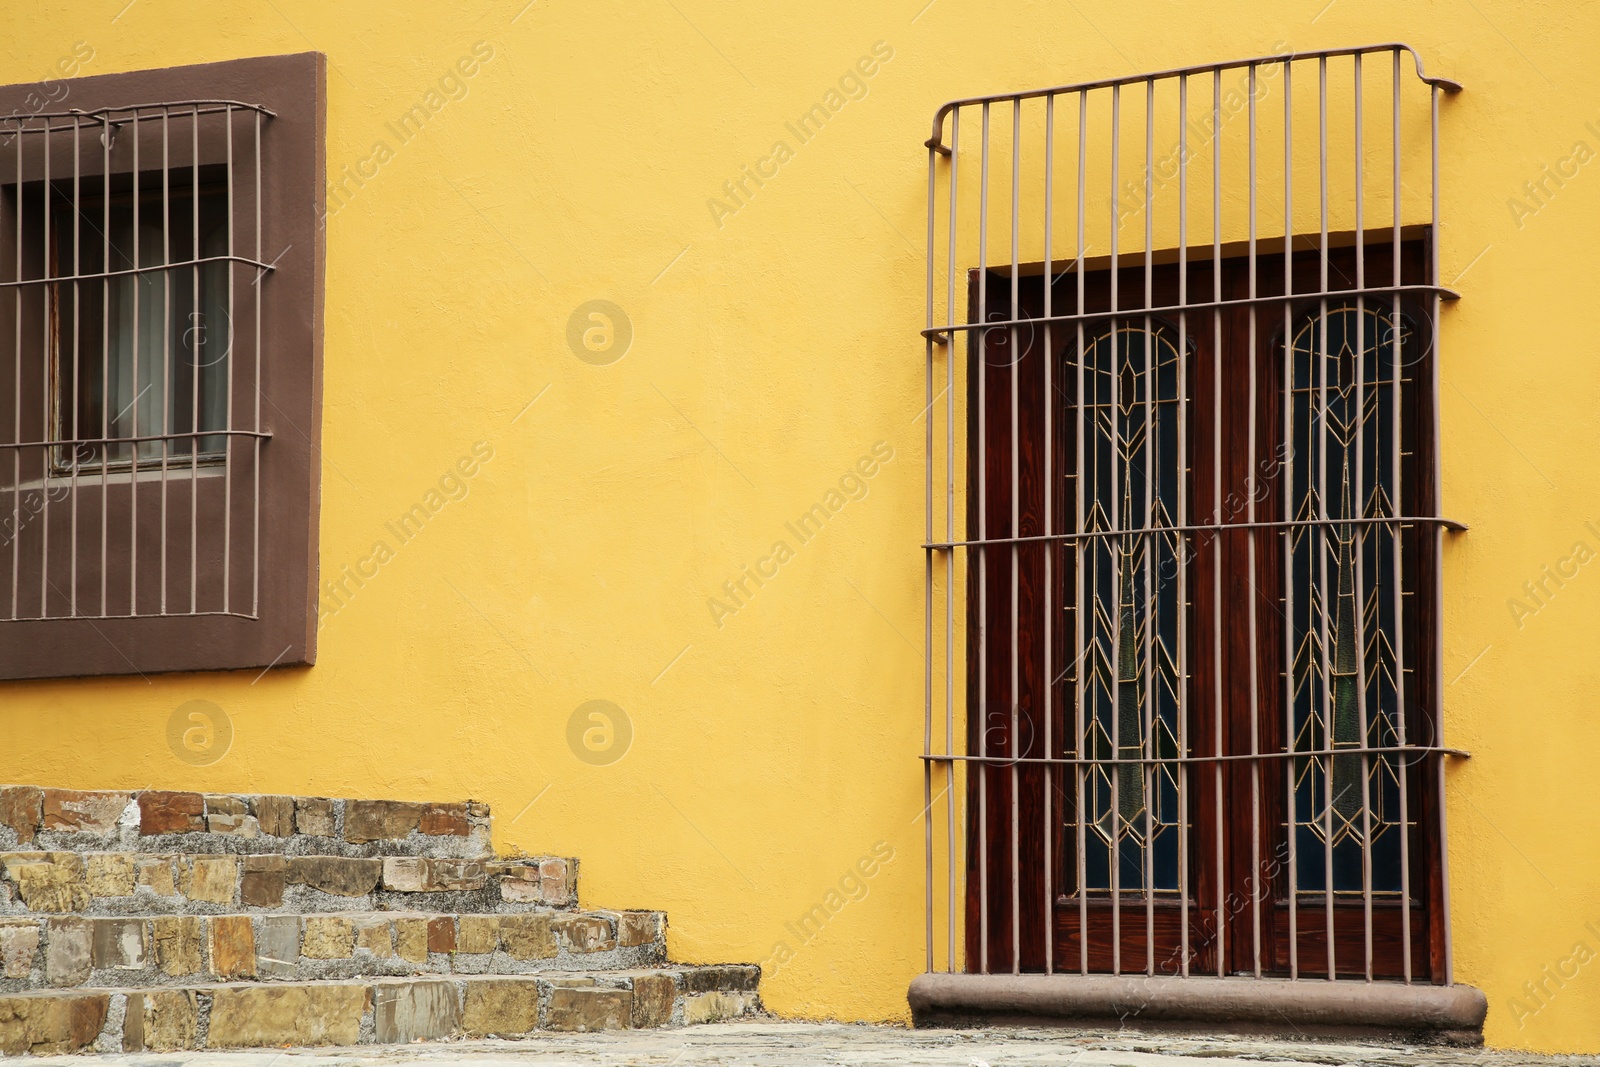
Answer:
[(143, 330)]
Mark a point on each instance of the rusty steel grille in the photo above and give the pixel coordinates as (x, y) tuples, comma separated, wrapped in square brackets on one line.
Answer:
[(1182, 535), (131, 281)]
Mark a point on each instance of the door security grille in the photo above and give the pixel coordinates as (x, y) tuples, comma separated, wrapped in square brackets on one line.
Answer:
[(1182, 390)]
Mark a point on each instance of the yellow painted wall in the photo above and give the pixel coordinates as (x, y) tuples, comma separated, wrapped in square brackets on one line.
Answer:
[(771, 349)]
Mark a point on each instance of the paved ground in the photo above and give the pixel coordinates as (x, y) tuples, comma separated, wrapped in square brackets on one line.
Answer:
[(770, 1044)]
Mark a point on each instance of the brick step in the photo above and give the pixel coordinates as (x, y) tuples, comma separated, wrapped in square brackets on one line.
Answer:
[(139, 883), (369, 1011), (38, 952), (32, 817)]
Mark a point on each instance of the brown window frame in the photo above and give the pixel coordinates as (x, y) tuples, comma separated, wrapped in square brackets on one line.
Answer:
[(276, 627)]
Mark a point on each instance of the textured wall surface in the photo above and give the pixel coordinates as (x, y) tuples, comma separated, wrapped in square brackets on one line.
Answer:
[(768, 740)]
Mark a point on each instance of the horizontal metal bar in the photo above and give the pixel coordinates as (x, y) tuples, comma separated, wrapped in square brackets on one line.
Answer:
[(155, 269), (176, 435), (184, 108), (1171, 898), (1242, 757), (1144, 531), (936, 142), (938, 333), (140, 615)]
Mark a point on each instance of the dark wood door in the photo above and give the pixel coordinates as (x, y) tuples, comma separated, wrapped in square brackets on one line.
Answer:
[(1172, 673)]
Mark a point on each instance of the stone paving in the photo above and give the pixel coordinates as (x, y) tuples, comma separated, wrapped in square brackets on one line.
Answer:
[(773, 1044)]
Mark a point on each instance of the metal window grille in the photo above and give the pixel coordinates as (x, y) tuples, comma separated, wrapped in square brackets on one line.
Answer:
[(131, 285), (1187, 654)]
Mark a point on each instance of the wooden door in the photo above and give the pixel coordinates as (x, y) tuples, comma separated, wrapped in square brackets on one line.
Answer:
[(1171, 671)]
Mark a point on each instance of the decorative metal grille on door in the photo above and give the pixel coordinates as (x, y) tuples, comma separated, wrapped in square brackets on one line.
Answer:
[(1191, 602)]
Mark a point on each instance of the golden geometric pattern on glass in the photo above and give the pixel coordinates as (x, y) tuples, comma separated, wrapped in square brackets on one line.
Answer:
[(1130, 603), (1349, 368)]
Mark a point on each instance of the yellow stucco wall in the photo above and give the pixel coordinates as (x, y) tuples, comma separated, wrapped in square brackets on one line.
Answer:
[(772, 350)]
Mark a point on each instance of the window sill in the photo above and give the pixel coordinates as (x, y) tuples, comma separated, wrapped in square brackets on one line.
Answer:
[(1441, 1014), (91, 478)]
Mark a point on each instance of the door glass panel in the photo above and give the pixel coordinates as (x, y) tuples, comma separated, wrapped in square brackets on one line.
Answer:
[(1343, 584), (1132, 604)]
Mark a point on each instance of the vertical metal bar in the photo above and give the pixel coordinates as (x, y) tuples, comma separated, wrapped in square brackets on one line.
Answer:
[(1147, 771), (1078, 548), (1395, 547), (52, 295), (1438, 536), (1216, 489), (255, 425), (1182, 543), (60, 424), (1014, 619), (77, 317), (982, 367), (133, 470), (77, 320), (1359, 503), (166, 329), (1116, 519), (1049, 548), (950, 535), (1286, 455), (1250, 563), (107, 132), (1320, 430), (927, 585), (227, 392), (16, 395), (194, 372)]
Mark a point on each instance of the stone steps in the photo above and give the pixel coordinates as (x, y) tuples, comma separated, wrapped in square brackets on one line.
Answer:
[(141, 883), (165, 921), (369, 1011), (34, 817), (38, 952)]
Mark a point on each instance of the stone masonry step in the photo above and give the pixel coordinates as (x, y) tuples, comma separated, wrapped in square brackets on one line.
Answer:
[(32, 817), (369, 1011), (140, 883), (38, 952)]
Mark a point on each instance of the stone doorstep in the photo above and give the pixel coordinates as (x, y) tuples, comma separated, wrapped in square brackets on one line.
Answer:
[(62, 882), (67, 951), (380, 1011), (160, 820), (1451, 1014)]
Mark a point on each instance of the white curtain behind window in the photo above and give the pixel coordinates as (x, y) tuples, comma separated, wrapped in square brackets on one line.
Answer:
[(137, 353), (161, 338)]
